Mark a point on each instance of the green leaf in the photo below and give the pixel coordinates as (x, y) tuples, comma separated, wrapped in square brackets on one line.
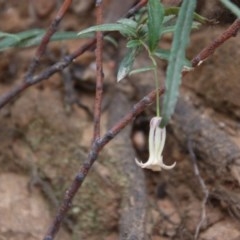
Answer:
[(128, 22), (4, 34), (141, 70), (176, 60), (197, 17), (111, 40), (232, 7), (165, 55), (126, 64), (33, 37), (133, 43), (169, 29), (124, 29), (155, 19), (10, 41), (142, 31), (58, 36), (162, 53)]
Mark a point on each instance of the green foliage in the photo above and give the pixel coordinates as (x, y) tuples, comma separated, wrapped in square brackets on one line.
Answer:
[(165, 55), (155, 19), (126, 27), (175, 10), (144, 31), (141, 70), (133, 43), (32, 38), (177, 58), (126, 64), (171, 28)]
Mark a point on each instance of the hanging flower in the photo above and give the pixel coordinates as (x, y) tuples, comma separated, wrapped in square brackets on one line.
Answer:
[(157, 137)]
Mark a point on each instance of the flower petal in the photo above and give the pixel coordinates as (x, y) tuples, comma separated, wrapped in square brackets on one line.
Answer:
[(157, 138), (166, 167), (149, 165), (151, 146)]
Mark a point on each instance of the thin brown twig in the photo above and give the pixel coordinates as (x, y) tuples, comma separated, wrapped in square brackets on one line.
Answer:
[(46, 38), (97, 145), (99, 73), (59, 66), (209, 50), (136, 7)]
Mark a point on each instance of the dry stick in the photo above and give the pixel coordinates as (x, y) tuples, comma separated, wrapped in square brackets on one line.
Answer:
[(99, 72), (59, 66), (92, 156), (136, 7), (46, 38), (209, 50)]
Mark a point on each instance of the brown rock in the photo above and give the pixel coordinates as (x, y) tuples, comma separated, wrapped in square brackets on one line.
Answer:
[(220, 231), (81, 7), (44, 7), (12, 21), (217, 79), (215, 10), (24, 215)]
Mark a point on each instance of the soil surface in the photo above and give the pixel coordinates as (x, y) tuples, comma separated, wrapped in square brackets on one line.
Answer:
[(45, 137)]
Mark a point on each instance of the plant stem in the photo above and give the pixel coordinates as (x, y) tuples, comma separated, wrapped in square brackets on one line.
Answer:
[(157, 87), (155, 76)]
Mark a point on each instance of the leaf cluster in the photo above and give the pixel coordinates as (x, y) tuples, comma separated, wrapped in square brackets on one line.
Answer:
[(144, 31)]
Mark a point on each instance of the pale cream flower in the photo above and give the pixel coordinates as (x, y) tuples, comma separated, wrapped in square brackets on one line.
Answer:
[(156, 141)]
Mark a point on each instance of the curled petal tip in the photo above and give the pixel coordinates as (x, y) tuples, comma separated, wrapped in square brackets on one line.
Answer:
[(168, 167), (141, 164)]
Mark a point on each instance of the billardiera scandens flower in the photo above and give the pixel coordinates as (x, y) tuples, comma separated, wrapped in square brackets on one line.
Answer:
[(156, 141)]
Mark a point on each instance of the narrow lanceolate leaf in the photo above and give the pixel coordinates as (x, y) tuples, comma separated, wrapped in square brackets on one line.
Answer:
[(165, 55), (10, 41), (4, 34), (129, 22), (58, 36), (170, 29), (155, 19), (177, 57), (123, 28), (33, 37), (175, 11), (232, 7), (126, 64), (133, 43), (141, 70)]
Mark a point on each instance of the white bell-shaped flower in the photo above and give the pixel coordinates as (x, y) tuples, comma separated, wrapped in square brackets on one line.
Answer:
[(156, 141)]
